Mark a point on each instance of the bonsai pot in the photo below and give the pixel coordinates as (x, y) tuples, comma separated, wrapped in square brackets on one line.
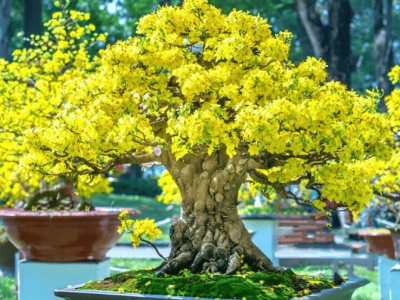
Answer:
[(394, 230), (379, 241), (63, 236), (343, 292), (355, 247)]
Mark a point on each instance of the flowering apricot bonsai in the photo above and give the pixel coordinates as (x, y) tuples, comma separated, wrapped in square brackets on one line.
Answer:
[(387, 186), (215, 98), (30, 97)]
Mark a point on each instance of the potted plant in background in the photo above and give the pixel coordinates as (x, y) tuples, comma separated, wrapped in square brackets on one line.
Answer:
[(30, 92), (387, 187), (236, 107), (50, 220)]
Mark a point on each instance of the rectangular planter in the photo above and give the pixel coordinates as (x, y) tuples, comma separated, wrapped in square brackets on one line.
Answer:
[(343, 292)]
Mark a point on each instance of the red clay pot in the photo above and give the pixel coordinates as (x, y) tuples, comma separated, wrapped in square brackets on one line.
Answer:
[(379, 241), (396, 238), (63, 236)]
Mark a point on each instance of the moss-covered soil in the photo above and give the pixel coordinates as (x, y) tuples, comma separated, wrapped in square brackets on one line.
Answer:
[(244, 285)]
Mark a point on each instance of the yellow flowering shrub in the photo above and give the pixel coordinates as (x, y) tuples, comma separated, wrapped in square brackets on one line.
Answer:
[(388, 183), (198, 81), (30, 97), (140, 230), (170, 193)]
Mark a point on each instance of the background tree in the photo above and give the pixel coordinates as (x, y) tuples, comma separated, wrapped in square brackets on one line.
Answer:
[(5, 11), (330, 41), (212, 116), (32, 18), (383, 46)]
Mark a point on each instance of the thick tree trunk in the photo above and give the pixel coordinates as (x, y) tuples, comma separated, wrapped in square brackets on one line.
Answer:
[(330, 42), (5, 12), (32, 18), (304, 39), (383, 48), (210, 234), (340, 63)]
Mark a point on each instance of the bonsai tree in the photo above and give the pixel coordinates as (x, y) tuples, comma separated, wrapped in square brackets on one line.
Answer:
[(215, 98), (30, 97)]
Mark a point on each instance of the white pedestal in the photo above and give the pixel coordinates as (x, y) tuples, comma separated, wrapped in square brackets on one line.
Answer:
[(37, 280), (384, 267), (395, 282), (265, 237)]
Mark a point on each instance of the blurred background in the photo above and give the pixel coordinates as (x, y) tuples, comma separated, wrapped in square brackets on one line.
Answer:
[(359, 39)]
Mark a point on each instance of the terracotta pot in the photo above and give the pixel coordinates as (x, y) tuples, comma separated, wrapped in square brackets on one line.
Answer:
[(379, 241), (63, 236), (396, 238)]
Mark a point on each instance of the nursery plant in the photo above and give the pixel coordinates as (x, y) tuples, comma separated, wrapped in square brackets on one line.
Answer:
[(214, 98), (30, 97), (387, 186)]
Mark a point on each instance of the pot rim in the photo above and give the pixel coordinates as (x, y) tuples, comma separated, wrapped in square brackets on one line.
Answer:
[(259, 216), (374, 232), (98, 212), (68, 293)]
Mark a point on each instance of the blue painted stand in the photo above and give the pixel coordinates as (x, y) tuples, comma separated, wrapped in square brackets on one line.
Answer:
[(266, 233), (385, 277), (394, 282), (37, 280)]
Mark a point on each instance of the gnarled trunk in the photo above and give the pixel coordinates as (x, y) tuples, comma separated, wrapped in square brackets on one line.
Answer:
[(210, 234)]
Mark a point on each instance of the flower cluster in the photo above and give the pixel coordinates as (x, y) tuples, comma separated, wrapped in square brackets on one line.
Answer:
[(198, 81), (30, 96), (388, 182), (139, 229), (170, 191)]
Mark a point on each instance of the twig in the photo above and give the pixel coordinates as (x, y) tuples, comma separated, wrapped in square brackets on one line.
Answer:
[(155, 248)]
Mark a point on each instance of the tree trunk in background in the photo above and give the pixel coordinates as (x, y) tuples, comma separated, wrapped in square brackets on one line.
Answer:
[(133, 171), (32, 18), (164, 2), (303, 38), (383, 48), (5, 12), (330, 42)]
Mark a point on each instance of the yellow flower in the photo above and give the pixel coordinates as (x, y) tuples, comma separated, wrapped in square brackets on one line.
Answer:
[(319, 204), (101, 38)]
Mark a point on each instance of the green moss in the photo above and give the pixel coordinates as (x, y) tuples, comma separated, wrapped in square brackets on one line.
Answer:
[(248, 285)]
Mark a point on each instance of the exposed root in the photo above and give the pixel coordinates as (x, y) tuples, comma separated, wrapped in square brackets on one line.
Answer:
[(233, 264), (215, 252)]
